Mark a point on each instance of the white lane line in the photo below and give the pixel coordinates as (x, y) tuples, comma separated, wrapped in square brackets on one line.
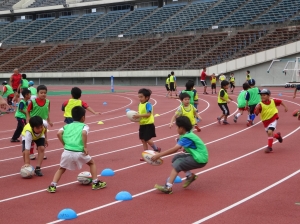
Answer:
[(199, 173)]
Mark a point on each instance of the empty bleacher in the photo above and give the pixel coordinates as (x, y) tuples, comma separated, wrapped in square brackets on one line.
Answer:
[(7, 4), (12, 28), (12, 53), (43, 3)]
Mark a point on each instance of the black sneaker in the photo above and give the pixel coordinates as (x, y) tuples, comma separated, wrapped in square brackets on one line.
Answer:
[(14, 140), (268, 150), (279, 137), (38, 172)]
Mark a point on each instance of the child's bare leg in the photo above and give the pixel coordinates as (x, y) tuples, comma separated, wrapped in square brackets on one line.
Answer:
[(58, 175), (144, 144), (41, 152), (153, 146), (93, 169)]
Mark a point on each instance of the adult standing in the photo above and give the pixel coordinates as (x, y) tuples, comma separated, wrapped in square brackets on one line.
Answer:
[(203, 80), (14, 81)]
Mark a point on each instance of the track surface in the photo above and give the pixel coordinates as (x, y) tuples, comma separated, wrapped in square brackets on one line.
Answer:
[(240, 184)]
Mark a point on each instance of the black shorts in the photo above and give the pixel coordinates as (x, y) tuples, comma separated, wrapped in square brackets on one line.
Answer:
[(224, 108), (251, 109), (213, 86), (203, 83), (39, 142), (298, 87), (147, 131), (172, 86), (9, 100), (232, 85), (167, 87)]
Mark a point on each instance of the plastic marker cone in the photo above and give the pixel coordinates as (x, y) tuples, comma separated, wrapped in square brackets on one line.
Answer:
[(176, 181), (104, 103), (107, 172), (280, 94), (100, 122), (156, 115), (127, 110), (123, 196), (67, 214)]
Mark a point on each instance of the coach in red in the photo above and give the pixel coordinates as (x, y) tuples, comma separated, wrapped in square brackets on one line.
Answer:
[(15, 80)]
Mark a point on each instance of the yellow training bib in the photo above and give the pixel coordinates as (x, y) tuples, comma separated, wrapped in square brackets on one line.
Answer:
[(224, 97), (27, 127), (189, 113), (268, 111), (143, 110), (71, 104)]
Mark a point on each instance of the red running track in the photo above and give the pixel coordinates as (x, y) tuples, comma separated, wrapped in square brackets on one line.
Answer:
[(240, 184)]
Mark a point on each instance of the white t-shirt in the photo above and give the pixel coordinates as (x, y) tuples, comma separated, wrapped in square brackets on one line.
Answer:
[(28, 136)]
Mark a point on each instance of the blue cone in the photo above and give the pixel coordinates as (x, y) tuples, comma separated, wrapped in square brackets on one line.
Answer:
[(67, 214), (107, 172), (104, 103), (279, 94), (127, 110), (123, 196), (176, 181)]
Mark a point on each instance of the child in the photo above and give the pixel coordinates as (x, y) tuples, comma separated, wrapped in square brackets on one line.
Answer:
[(71, 103), (168, 85), (9, 93), (32, 90), (241, 101), (252, 99), (223, 99), (74, 139), (21, 115), (203, 80), (173, 84), (34, 132), (222, 77), (213, 83), (248, 77), (23, 84), (232, 82), (189, 89), (186, 109), (147, 127), (39, 107), (296, 88), (269, 116), (196, 156)]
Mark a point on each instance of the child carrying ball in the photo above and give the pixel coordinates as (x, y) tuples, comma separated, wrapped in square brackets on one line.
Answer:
[(223, 99), (269, 116), (147, 127), (241, 102), (74, 139), (196, 156)]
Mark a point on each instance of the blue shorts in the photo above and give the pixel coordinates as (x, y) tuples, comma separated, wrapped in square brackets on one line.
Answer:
[(68, 120)]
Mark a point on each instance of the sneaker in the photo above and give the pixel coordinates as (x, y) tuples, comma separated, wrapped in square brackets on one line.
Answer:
[(98, 185), (219, 120), (45, 157), (235, 118), (14, 140), (32, 157), (189, 180), (38, 172), (142, 160), (51, 189), (165, 189), (279, 137), (268, 150), (225, 122), (158, 149), (197, 128), (249, 122)]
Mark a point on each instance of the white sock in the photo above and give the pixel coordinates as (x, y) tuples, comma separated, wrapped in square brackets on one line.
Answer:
[(95, 181), (238, 114), (188, 173), (169, 184), (53, 184)]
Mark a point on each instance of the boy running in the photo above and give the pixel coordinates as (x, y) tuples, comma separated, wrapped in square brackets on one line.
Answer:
[(34, 132), (196, 156), (232, 82), (213, 81), (269, 116), (252, 99), (23, 84), (71, 103), (21, 115), (147, 127), (32, 90), (223, 100), (9, 93), (241, 101), (168, 85), (74, 139)]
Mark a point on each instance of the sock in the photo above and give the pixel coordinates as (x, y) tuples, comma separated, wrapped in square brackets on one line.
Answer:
[(188, 173), (169, 184), (154, 147), (95, 181), (32, 148), (270, 142), (252, 117), (37, 167), (238, 114), (53, 184), (275, 135)]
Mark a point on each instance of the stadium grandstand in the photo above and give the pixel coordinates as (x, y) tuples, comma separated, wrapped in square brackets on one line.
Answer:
[(42, 36)]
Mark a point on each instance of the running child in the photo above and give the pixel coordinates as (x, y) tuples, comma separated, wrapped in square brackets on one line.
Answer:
[(34, 132), (296, 89), (186, 109), (269, 116), (71, 103), (213, 82), (39, 107), (232, 82), (9, 94), (222, 77), (248, 76), (23, 84), (172, 84), (20, 115), (195, 158), (252, 99), (168, 85), (74, 139), (32, 90), (147, 127), (241, 101), (223, 100)]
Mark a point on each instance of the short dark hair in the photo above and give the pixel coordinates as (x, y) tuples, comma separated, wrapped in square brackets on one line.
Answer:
[(224, 83), (189, 85), (184, 95), (77, 113), (25, 91), (145, 92), (204, 67), (172, 73), (24, 76), (35, 121), (169, 76), (184, 122), (246, 86), (41, 87), (76, 92), (248, 72)]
